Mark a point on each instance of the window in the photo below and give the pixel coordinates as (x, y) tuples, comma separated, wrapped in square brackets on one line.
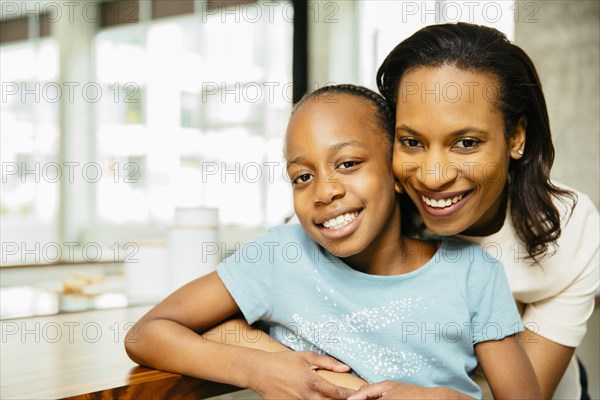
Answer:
[(199, 110), (177, 105), (30, 145)]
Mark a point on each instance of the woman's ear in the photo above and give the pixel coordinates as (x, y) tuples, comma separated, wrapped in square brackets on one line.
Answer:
[(517, 139), (398, 187)]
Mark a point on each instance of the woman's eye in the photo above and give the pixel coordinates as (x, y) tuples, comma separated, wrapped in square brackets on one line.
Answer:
[(466, 143), (410, 142), (301, 179), (348, 164)]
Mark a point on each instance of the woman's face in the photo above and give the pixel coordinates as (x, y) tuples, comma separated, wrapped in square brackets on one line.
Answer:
[(450, 151)]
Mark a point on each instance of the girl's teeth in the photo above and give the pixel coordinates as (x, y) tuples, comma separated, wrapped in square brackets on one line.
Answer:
[(441, 203), (340, 220)]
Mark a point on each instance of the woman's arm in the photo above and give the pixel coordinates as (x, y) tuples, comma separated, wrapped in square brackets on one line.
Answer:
[(237, 332), (392, 390), (504, 363), (167, 338), (507, 369), (549, 360)]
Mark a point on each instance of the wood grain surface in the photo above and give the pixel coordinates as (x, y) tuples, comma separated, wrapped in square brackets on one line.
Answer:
[(82, 356)]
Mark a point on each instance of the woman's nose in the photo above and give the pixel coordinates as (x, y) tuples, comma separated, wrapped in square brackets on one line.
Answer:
[(437, 172)]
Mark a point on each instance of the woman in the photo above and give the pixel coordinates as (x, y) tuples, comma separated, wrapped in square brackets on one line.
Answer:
[(473, 151)]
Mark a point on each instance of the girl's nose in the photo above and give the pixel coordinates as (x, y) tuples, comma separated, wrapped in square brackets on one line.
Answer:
[(327, 188)]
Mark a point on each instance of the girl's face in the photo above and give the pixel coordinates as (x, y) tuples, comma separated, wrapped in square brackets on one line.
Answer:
[(342, 182), (450, 151)]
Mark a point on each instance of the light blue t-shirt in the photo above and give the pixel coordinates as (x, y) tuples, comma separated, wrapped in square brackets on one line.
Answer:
[(419, 327)]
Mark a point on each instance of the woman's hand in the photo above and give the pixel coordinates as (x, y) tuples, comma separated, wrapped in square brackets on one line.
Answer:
[(400, 390), (292, 375)]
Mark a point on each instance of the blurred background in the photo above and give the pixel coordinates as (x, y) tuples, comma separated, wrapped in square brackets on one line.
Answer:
[(132, 130)]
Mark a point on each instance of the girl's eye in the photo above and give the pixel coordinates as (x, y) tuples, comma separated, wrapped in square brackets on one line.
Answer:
[(301, 179), (467, 143), (410, 142), (348, 164)]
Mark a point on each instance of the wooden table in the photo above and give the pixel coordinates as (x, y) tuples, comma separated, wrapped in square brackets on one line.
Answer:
[(82, 356)]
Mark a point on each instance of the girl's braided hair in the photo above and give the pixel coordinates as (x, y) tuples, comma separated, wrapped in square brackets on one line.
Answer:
[(384, 118)]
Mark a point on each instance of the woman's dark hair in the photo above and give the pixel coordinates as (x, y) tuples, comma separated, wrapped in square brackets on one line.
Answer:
[(384, 117), (486, 50)]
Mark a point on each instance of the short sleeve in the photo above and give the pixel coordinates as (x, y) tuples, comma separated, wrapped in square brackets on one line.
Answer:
[(562, 318), (495, 315), (247, 275)]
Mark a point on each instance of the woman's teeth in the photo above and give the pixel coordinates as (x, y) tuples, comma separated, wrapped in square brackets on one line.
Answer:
[(340, 220), (441, 203)]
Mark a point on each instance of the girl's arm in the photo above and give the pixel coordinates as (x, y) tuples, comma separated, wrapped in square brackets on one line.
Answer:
[(167, 338), (237, 332), (507, 369)]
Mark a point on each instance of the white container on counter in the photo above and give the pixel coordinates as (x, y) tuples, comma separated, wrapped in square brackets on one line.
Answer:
[(146, 277), (192, 243)]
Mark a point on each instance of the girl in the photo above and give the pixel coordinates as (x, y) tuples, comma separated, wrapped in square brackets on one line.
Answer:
[(473, 151), (346, 283)]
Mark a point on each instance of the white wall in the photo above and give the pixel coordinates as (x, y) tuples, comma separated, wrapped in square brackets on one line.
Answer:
[(564, 44)]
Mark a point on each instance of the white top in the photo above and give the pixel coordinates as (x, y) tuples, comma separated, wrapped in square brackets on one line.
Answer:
[(558, 293)]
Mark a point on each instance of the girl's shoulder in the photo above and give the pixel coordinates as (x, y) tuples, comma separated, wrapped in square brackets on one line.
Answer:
[(279, 236), (474, 270), (287, 235), (285, 232), (466, 256)]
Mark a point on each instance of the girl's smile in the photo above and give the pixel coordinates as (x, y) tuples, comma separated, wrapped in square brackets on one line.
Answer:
[(339, 223)]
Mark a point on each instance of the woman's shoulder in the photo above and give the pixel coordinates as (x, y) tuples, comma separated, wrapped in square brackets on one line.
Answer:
[(579, 220), (581, 201), (575, 250), (579, 217), (579, 204)]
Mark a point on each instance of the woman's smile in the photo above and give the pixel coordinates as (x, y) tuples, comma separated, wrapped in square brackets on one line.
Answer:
[(443, 204)]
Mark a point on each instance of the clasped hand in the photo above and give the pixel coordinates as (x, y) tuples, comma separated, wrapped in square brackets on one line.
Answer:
[(293, 375)]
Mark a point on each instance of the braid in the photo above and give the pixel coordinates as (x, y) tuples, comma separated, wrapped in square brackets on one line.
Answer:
[(384, 116)]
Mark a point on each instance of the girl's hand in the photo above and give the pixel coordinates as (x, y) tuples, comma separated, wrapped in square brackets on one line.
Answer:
[(292, 375), (399, 390)]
